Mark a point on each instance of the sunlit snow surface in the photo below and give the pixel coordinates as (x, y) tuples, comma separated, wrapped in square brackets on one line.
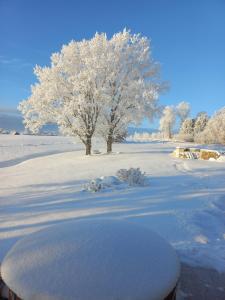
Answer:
[(184, 201)]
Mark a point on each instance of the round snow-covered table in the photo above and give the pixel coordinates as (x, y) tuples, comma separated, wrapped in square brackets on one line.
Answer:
[(91, 260)]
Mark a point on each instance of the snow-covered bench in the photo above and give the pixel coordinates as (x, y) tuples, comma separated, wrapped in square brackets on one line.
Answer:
[(92, 260)]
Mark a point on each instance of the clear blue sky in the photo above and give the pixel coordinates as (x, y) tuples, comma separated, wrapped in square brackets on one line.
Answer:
[(188, 39)]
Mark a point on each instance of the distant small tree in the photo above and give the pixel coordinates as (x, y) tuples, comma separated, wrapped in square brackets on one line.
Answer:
[(167, 121)]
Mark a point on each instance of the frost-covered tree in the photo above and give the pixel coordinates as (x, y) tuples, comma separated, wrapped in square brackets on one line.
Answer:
[(71, 91), (132, 85), (183, 110), (188, 126), (200, 122), (167, 121), (214, 131), (186, 132), (94, 84)]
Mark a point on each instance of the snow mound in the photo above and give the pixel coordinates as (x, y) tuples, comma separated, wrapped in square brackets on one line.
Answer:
[(92, 259)]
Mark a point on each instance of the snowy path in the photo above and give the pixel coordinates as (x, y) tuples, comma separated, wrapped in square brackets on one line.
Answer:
[(184, 202)]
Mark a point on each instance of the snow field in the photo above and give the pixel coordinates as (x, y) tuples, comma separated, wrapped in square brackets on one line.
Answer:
[(184, 201)]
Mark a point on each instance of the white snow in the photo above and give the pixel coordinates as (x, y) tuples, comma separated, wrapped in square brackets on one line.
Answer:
[(221, 158), (14, 150), (96, 259), (184, 202)]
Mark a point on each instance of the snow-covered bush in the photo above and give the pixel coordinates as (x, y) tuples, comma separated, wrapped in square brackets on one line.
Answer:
[(94, 185), (98, 184), (132, 176)]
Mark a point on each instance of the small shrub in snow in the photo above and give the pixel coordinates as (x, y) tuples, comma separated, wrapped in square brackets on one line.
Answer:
[(98, 184), (94, 185), (132, 176)]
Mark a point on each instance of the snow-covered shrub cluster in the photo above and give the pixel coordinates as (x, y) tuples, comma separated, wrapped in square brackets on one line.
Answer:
[(94, 185), (103, 182), (132, 176)]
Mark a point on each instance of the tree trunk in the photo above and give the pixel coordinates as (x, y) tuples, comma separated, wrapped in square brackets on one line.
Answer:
[(109, 144), (88, 146)]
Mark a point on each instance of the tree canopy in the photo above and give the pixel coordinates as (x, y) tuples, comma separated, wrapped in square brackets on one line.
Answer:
[(95, 86)]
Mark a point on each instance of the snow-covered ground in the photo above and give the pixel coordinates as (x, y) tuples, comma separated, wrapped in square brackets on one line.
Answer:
[(18, 148), (184, 201)]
